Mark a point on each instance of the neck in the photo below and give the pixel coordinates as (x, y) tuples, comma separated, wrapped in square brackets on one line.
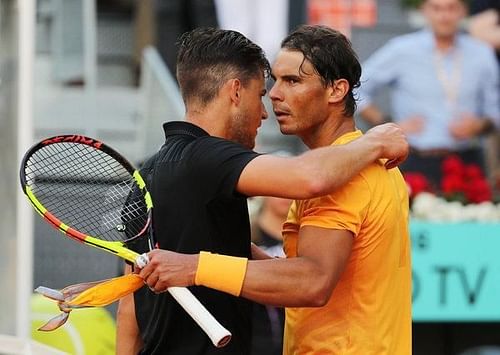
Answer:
[(331, 129), (208, 117), (444, 43)]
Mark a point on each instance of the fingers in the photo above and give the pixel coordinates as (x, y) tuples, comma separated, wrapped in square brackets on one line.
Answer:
[(151, 273), (390, 164), (152, 280), (167, 269), (148, 274)]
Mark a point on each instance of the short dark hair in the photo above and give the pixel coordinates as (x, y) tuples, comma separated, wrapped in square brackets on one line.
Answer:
[(332, 56), (208, 57)]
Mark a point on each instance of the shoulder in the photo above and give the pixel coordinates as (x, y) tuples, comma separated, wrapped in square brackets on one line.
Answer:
[(471, 43), (356, 192), (219, 149), (406, 41), (378, 178), (394, 48), (374, 173)]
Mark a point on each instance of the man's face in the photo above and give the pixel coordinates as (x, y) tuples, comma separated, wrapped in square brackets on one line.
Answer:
[(300, 101), (444, 16), (249, 117)]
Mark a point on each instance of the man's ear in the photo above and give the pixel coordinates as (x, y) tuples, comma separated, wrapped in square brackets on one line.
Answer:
[(235, 90), (338, 91)]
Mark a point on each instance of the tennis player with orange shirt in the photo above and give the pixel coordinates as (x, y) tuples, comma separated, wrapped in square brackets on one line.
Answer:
[(346, 280)]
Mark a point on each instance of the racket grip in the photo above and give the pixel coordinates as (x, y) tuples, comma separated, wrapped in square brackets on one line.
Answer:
[(219, 335)]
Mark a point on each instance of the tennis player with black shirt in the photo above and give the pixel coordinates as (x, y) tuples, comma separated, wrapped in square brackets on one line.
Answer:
[(204, 172)]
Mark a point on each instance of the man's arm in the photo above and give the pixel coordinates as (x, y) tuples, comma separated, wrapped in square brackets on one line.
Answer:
[(304, 281), (307, 280), (470, 126), (323, 170), (128, 339), (485, 26), (410, 125)]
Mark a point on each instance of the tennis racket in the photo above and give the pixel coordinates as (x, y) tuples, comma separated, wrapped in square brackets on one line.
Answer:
[(92, 194)]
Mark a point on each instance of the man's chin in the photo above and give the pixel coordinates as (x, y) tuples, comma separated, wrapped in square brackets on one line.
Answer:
[(285, 131)]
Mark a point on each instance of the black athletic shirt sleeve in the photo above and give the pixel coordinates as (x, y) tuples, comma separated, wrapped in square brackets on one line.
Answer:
[(219, 164)]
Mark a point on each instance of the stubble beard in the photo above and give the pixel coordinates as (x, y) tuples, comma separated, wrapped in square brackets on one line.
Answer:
[(240, 132)]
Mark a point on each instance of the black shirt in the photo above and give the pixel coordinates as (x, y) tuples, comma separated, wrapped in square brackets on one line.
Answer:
[(192, 180)]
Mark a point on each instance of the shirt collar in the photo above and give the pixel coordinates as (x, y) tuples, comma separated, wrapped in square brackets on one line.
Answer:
[(183, 127), (430, 42), (347, 137)]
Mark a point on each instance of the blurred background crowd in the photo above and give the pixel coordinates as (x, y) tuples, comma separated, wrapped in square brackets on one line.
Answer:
[(106, 69)]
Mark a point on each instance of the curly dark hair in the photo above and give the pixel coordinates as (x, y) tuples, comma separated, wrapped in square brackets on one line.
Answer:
[(208, 57), (332, 56)]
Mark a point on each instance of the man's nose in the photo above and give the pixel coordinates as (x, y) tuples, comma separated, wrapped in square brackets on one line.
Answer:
[(274, 93)]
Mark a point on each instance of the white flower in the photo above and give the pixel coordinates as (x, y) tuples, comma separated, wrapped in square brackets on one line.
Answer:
[(427, 206)]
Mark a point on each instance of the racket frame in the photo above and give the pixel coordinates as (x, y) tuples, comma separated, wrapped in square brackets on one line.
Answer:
[(219, 335)]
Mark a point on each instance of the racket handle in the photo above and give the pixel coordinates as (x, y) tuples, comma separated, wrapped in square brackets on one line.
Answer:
[(219, 335)]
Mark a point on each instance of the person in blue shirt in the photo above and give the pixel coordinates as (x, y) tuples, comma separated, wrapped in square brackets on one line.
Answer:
[(444, 89)]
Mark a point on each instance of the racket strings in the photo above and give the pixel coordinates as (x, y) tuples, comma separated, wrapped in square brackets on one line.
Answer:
[(88, 190)]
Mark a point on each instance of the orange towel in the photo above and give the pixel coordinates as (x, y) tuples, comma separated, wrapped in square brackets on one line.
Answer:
[(89, 294)]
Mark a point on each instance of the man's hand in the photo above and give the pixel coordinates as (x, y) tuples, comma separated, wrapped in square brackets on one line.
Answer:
[(167, 269), (394, 145), (467, 127), (412, 124)]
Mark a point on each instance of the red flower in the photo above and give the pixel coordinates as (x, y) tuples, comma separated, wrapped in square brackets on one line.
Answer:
[(452, 183), (478, 191), (452, 165), (473, 172), (464, 181), (417, 183)]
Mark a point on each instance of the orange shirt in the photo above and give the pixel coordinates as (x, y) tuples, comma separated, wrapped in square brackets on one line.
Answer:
[(369, 311)]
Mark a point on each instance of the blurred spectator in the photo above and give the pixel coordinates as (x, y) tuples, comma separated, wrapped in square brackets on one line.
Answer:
[(264, 22), (174, 17), (485, 25), (267, 225), (444, 86)]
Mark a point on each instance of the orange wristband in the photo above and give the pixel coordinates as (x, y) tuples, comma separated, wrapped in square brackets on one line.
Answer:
[(221, 272)]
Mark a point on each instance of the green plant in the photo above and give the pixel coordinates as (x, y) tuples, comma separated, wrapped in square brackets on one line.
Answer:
[(415, 4), (411, 4)]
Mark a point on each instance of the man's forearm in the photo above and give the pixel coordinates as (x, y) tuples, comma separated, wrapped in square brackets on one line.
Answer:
[(322, 170), (332, 167)]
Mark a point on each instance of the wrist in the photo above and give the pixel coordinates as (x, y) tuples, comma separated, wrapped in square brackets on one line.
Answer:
[(192, 269), (221, 272), (374, 147), (485, 127)]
